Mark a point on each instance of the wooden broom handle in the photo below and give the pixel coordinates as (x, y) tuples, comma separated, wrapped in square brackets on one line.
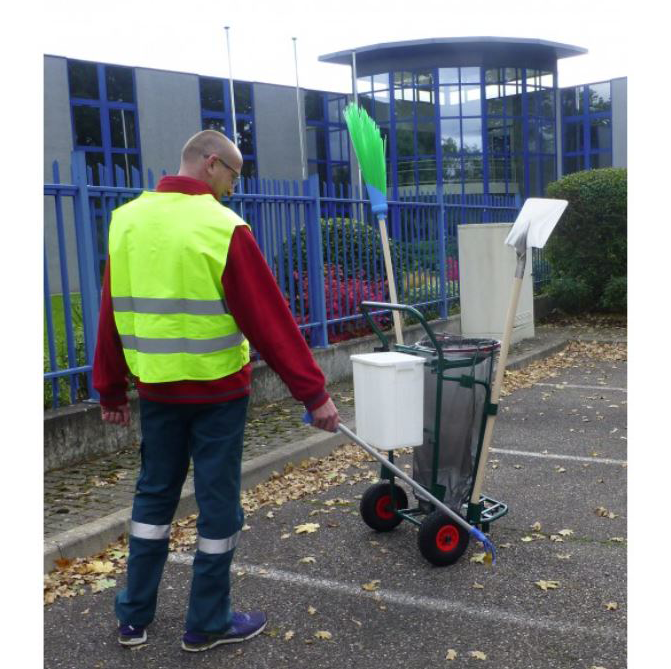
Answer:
[(390, 278)]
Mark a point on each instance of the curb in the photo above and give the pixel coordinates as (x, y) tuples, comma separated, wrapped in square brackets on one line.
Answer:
[(95, 536)]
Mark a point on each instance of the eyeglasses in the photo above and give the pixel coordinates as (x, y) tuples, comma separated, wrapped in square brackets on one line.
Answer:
[(236, 177)]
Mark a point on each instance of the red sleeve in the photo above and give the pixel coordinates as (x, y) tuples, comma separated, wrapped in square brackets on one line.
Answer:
[(109, 364), (259, 308)]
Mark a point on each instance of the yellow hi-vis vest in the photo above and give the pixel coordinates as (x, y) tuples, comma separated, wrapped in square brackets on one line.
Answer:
[(167, 256)]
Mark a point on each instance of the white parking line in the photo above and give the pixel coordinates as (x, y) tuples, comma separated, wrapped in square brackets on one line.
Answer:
[(558, 456), (561, 386), (417, 601)]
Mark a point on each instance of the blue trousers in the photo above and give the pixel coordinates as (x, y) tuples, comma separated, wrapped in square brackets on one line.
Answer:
[(212, 434)]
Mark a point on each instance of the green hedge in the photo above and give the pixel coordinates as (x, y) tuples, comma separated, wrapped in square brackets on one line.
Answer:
[(588, 249)]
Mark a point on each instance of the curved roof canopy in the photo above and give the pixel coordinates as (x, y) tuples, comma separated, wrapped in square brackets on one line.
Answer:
[(459, 48)]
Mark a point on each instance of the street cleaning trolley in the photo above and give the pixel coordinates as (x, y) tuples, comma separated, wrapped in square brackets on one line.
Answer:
[(456, 390)]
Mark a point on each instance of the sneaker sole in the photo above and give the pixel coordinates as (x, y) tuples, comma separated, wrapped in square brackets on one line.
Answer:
[(219, 642), (133, 641)]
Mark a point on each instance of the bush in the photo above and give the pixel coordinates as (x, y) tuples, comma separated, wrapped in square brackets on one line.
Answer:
[(570, 294), (588, 249), (614, 296)]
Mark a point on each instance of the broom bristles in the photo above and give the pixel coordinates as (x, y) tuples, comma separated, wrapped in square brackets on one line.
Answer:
[(369, 146)]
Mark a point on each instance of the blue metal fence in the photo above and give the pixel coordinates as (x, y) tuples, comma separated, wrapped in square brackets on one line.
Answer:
[(323, 246)]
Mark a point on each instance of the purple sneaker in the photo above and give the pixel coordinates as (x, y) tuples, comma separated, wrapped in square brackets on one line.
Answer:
[(243, 626), (130, 635)]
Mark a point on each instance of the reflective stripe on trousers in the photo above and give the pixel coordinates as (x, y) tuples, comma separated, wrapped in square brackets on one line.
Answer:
[(146, 531), (218, 545)]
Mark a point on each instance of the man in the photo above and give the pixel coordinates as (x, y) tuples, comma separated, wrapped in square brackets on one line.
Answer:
[(185, 287)]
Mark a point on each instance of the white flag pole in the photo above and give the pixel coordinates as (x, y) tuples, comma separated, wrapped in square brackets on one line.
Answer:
[(300, 117), (230, 84)]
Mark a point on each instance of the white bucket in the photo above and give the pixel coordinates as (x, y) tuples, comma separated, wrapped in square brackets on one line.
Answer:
[(389, 399)]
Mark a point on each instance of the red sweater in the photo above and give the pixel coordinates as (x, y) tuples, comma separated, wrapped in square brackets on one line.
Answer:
[(258, 307)]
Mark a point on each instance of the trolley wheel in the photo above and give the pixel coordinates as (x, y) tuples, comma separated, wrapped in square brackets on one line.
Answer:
[(441, 541), (376, 506)]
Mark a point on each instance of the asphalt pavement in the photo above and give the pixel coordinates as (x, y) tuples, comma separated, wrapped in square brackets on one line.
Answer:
[(558, 461)]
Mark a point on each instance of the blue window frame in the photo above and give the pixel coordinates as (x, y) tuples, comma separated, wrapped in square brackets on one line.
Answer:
[(587, 134), (103, 114), (216, 113), (326, 138)]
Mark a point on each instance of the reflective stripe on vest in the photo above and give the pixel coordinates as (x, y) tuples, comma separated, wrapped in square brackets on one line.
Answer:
[(181, 345), (162, 305), (168, 253), (218, 545), (146, 531)]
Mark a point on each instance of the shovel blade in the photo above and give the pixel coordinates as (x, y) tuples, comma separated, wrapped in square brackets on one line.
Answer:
[(535, 223)]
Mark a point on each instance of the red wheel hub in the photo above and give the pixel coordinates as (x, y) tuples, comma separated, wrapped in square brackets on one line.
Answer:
[(447, 538), (383, 508)]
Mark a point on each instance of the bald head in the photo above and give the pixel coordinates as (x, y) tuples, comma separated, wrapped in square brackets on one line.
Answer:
[(200, 155)]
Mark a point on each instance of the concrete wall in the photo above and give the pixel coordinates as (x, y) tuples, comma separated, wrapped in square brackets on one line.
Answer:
[(619, 106), (278, 149), (168, 106)]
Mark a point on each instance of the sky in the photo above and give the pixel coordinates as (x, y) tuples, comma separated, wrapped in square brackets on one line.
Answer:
[(189, 36)]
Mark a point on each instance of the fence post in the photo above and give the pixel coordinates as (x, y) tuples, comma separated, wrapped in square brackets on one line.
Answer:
[(313, 242), (442, 231), (87, 265)]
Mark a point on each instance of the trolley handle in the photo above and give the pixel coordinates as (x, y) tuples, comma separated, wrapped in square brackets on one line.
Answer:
[(366, 306)]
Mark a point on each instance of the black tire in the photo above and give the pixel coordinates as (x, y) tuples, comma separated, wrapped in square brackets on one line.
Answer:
[(441, 540), (376, 506)]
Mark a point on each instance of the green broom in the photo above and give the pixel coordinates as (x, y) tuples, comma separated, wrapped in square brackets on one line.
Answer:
[(370, 152)]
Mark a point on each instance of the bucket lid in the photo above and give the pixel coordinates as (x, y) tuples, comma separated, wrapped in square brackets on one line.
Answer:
[(451, 343), (387, 359)]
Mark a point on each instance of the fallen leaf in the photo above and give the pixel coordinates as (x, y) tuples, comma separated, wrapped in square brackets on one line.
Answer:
[(451, 654), (312, 610), (289, 635), (270, 514), (306, 528), (357, 622), (478, 586), (536, 526), (611, 606), (246, 527), (372, 586), (556, 537), (618, 540), (63, 563), (506, 545), (517, 466), (103, 584), (526, 540), (286, 535), (478, 655), (308, 560), (563, 556), (85, 611), (547, 585), (478, 557), (323, 635), (560, 470), (565, 533)]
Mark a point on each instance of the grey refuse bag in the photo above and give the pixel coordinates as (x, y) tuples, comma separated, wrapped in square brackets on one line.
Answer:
[(462, 415)]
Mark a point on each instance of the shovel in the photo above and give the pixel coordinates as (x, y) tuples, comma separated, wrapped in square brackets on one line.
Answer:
[(532, 228)]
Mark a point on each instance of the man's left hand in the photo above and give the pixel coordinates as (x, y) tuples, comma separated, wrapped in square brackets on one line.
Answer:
[(118, 416)]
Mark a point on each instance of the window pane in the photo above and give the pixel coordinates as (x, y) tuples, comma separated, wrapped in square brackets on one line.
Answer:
[(381, 82), (367, 103), (498, 140), (122, 127), (470, 75), (119, 82), (83, 79), (450, 135), (547, 108), (599, 97), (470, 101), (242, 94), (472, 128), (335, 108), (452, 175), (533, 78), (245, 131), (87, 126), (340, 175), (426, 139), (573, 164), (381, 106), (449, 101), (426, 171), (249, 169), (314, 106), (534, 146), (516, 180), (573, 137), (497, 174), (403, 80), (336, 145), (494, 95), (547, 79), (549, 167), (364, 85), (316, 143), (601, 159), (493, 76), (515, 130), (548, 138), (571, 101), (448, 75), (404, 140), (406, 172), (212, 94), (95, 161), (124, 162), (600, 136), (473, 176), (534, 180), (214, 124)]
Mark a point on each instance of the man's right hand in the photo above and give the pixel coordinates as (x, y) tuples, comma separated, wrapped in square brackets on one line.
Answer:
[(118, 416), (326, 417)]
